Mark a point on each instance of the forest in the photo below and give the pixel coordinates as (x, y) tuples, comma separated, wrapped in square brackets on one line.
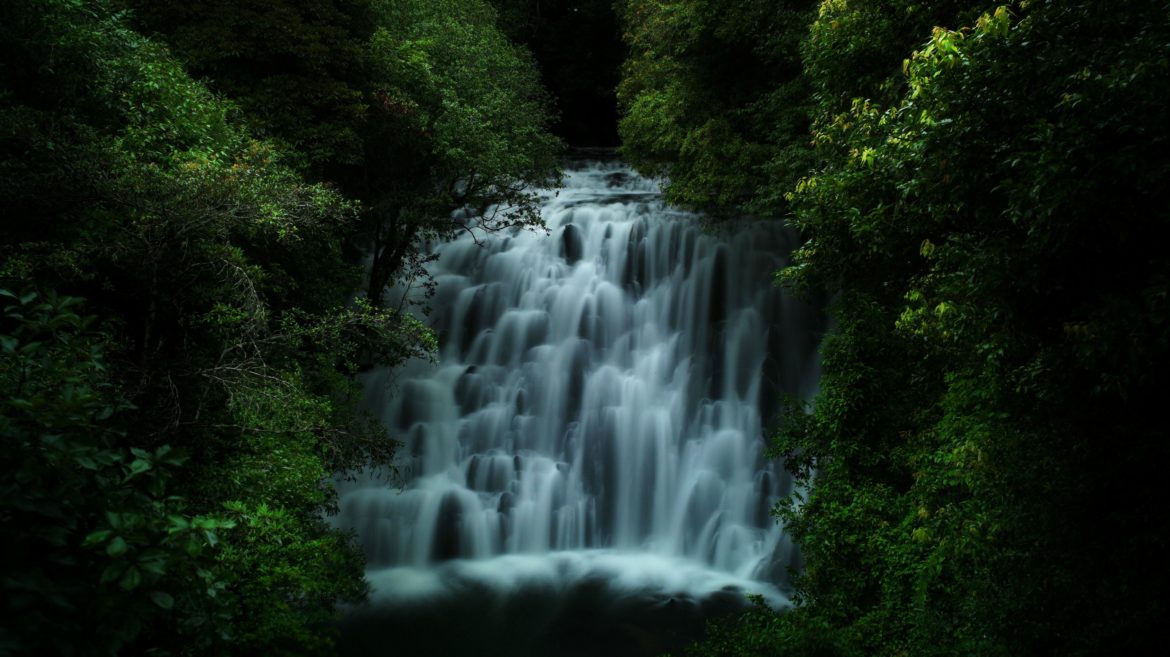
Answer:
[(211, 209)]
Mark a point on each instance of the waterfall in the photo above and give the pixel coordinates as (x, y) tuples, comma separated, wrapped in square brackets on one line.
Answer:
[(597, 405)]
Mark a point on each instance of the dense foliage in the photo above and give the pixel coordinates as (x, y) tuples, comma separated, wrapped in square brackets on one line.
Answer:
[(982, 204), (215, 212), (714, 99), (182, 300), (414, 108)]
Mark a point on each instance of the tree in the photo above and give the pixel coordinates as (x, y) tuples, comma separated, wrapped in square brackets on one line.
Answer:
[(101, 552), (714, 102), (460, 124), (981, 206), (414, 110), (961, 225), (227, 335), (293, 66)]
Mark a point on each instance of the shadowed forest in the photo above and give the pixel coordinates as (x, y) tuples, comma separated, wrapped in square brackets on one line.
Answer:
[(217, 215)]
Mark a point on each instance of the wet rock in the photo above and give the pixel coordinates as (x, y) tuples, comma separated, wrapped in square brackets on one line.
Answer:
[(572, 244)]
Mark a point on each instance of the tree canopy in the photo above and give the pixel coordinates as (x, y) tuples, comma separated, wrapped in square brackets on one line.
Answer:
[(189, 191), (980, 192)]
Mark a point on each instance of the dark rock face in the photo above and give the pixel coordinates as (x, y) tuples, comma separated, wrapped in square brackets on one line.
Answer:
[(571, 245)]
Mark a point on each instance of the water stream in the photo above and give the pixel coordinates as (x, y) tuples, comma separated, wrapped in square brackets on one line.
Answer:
[(586, 456)]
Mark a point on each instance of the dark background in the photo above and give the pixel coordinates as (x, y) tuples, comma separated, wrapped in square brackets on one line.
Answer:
[(578, 46)]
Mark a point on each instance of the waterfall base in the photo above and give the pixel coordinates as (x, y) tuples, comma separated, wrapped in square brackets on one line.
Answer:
[(563, 604), (583, 470)]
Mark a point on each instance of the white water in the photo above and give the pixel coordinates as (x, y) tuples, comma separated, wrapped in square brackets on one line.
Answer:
[(597, 407)]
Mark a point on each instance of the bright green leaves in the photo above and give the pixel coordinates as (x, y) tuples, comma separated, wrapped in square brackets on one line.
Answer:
[(981, 202), (288, 66), (129, 183), (477, 97), (927, 249), (458, 121), (953, 209), (995, 24), (276, 554)]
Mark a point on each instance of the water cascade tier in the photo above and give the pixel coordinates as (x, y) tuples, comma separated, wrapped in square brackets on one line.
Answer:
[(597, 409)]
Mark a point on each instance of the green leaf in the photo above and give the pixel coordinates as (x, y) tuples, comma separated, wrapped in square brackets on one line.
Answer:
[(156, 566), (131, 579), (93, 538), (30, 347), (163, 600), (117, 547), (111, 573)]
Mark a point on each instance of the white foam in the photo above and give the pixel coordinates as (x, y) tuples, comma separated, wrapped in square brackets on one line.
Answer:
[(619, 573)]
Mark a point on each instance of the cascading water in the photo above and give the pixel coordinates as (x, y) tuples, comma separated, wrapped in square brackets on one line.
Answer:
[(596, 411)]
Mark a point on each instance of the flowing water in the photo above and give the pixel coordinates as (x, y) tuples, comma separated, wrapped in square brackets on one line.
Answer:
[(583, 468)]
